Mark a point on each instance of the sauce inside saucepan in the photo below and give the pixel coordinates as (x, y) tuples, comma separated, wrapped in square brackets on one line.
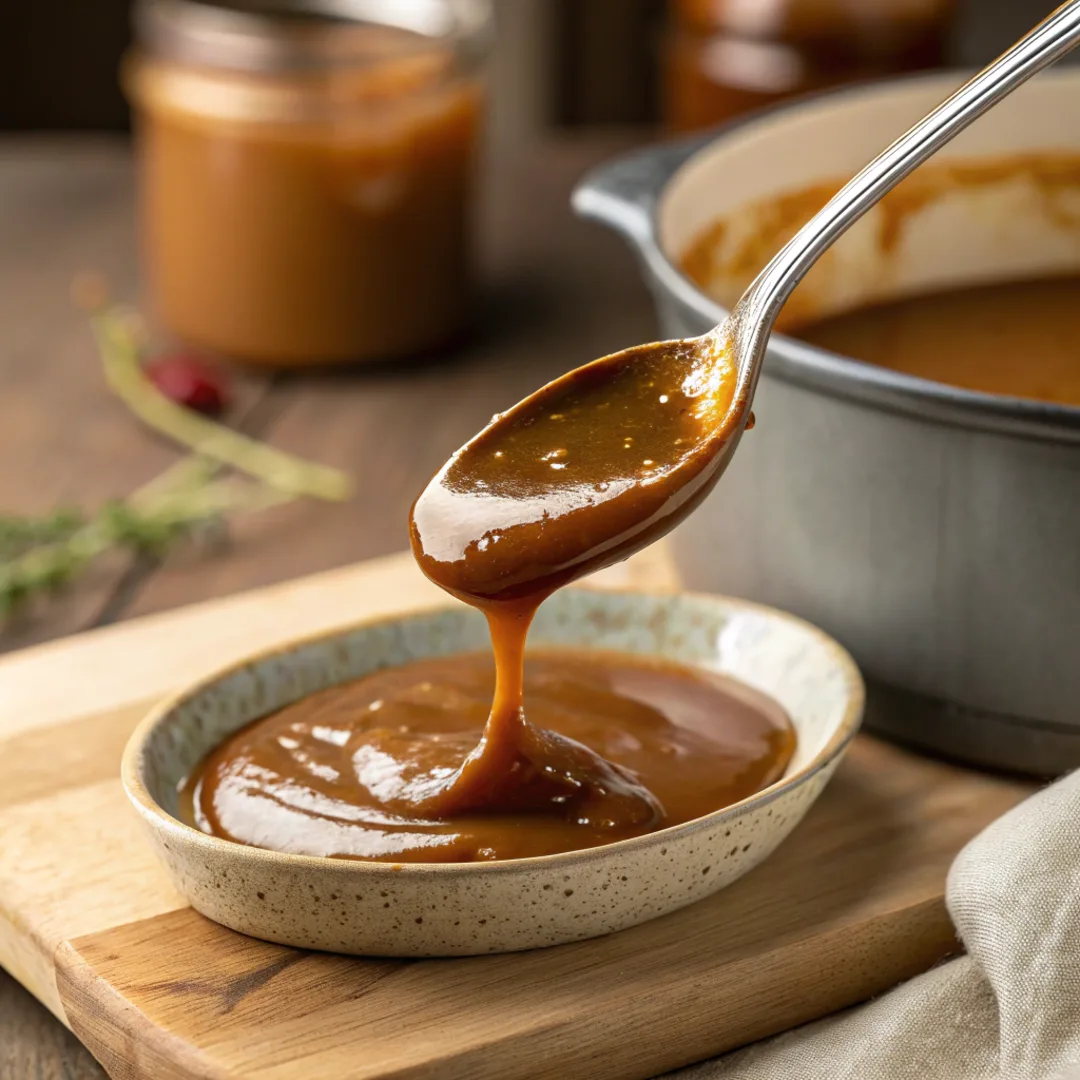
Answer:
[(1018, 339), (459, 759)]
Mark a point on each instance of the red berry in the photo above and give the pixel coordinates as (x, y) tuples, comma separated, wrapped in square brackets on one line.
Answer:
[(190, 382)]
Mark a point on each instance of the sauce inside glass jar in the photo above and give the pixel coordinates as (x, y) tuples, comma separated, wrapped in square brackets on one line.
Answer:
[(305, 181), (723, 58)]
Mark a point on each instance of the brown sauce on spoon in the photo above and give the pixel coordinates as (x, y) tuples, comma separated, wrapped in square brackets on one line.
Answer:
[(449, 767), (588, 469)]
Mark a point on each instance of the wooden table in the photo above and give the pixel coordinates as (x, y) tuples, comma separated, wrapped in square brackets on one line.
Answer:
[(556, 293)]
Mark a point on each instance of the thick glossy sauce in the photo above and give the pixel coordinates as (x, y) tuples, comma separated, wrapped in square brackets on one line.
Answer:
[(447, 761), (575, 477), (582, 473), (343, 772), (1020, 339), (313, 218)]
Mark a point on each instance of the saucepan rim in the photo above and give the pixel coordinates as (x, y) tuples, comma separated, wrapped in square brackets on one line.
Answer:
[(633, 209)]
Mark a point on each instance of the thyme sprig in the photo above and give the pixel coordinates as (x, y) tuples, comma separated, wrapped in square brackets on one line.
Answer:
[(225, 473)]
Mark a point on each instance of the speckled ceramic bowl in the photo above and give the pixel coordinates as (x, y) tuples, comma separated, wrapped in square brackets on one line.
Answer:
[(465, 908)]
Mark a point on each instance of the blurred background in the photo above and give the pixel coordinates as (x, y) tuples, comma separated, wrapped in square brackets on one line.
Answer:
[(322, 263), (321, 258), (559, 63)]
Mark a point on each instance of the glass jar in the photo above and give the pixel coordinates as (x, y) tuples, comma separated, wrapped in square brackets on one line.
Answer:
[(305, 172), (726, 57)]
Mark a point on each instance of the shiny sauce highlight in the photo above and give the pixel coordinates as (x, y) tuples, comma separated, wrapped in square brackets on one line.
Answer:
[(461, 759)]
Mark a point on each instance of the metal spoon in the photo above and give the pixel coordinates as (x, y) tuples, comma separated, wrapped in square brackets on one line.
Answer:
[(745, 332), (610, 456)]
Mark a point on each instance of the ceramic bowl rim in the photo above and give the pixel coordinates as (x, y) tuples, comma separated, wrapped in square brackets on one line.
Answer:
[(132, 759)]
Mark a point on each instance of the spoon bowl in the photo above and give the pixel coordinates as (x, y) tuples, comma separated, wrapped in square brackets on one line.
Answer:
[(599, 463), (613, 452)]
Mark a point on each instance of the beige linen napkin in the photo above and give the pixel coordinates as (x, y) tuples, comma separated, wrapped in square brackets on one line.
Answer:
[(1009, 1010)]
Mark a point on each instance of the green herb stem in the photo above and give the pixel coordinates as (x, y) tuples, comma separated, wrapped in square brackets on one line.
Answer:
[(120, 355), (149, 525), (41, 554)]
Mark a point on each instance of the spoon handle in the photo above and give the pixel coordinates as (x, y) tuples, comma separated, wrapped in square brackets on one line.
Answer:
[(761, 303)]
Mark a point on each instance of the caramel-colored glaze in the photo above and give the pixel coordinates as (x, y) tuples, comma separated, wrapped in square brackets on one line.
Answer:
[(577, 476), (723, 267), (291, 222), (765, 227), (721, 59), (343, 772), (972, 338), (582, 473)]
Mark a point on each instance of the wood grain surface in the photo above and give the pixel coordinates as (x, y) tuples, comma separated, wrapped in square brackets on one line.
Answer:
[(850, 904), (556, 291)]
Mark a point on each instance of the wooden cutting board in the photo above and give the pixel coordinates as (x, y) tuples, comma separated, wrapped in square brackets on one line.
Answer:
[(851, 904)]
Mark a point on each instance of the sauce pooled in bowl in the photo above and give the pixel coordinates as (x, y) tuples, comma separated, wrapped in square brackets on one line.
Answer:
[(413, 764)]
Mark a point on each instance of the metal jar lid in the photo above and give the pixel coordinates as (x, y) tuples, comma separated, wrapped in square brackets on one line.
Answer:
[(272, 36)]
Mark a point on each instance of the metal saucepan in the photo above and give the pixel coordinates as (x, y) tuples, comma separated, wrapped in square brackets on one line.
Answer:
[(934, 531)]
